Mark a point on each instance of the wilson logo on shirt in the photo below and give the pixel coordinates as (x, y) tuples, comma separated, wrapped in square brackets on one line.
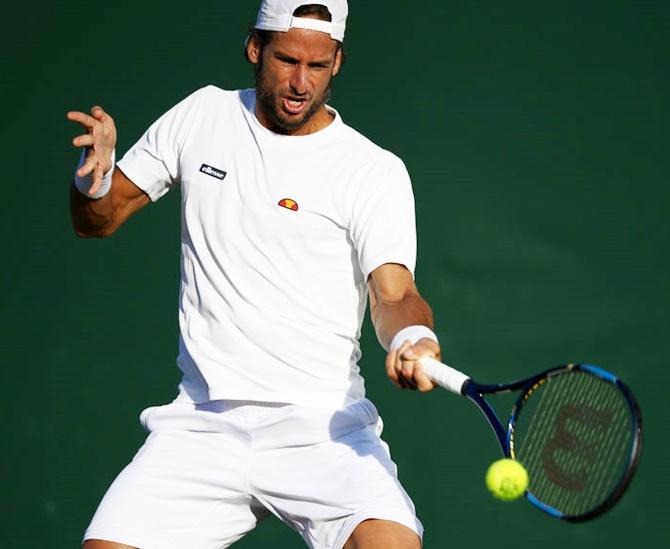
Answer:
[(214, 172), (288, 203)]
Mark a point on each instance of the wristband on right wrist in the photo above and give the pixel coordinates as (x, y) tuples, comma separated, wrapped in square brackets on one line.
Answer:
[(413, 334)]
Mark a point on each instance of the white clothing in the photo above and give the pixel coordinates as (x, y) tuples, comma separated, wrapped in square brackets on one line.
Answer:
[(279, 235), (208, 473)]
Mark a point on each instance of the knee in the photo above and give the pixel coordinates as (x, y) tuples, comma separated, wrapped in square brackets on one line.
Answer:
[(100, 544), (382, 534)]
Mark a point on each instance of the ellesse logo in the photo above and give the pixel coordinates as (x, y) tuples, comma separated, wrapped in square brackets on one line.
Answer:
[(214, 172), (288, 203)]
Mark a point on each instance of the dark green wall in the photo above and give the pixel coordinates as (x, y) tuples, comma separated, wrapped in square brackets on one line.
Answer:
[(536, 134)]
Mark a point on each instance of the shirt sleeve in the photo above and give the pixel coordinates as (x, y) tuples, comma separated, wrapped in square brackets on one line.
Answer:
[(153, 162), (383, 224)]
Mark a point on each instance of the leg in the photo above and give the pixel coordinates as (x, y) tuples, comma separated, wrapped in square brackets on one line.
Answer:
[(184, 489), (382, 534), (99, 544), (339, 492)]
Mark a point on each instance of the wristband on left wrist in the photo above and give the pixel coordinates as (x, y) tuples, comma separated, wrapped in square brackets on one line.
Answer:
[(83, 184)]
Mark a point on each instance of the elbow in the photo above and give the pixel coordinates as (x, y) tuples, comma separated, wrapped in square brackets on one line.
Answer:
[(85, 234)]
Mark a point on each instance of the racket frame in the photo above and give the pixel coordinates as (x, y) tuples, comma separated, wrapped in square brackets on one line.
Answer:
[(475, 392)]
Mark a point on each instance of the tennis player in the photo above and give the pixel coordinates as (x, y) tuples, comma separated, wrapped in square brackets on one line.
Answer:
[(290, 219)]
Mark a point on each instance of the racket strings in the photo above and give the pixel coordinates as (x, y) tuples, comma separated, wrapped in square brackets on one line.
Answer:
[(598, 472), (540, 471), (577, 463), (591, 462), (620, 437), (574, 436)]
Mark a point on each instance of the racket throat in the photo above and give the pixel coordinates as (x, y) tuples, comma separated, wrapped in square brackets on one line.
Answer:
[(492, 419)]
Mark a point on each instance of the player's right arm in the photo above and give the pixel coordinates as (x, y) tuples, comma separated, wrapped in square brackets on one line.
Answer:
[(102, 216)]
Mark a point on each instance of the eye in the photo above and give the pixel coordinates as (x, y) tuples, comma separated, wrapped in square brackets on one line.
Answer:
[(286, 60)]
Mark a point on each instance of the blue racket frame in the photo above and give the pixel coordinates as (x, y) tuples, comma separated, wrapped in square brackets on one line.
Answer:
[(474, 392)]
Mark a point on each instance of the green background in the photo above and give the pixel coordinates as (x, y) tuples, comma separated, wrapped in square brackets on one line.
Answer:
[(536, 134)]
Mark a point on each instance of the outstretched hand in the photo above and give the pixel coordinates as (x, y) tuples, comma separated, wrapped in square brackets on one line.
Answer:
[(99, 141), (403, 368)]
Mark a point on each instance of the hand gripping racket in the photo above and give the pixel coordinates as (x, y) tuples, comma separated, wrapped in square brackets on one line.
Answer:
[(577, 430)]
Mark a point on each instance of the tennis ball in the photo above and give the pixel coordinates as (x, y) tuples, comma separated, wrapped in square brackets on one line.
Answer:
[(506, 479)]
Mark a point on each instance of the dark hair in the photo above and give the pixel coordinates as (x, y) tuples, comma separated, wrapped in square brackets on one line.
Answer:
[(265, 36), (321, 12)]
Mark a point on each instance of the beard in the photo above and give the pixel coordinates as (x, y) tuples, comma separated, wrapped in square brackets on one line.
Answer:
[(270, 100)]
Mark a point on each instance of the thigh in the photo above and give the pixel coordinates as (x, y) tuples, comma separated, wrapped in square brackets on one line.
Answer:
[(325, 490), (182, 489)]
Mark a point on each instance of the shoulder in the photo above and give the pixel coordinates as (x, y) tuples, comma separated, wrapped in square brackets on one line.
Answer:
[(369, 154), (377, 175), (208, 108), (213, 95)]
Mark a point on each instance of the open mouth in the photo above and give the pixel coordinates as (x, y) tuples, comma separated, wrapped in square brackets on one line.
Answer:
[(293, 106)]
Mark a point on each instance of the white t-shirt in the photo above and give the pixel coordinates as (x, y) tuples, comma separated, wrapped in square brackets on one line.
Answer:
[(279, 235)]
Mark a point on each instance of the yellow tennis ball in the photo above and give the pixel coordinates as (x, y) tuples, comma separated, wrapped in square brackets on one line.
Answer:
[(506, 479)]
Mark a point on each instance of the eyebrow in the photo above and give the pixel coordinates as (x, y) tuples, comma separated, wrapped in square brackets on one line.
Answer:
[(291, 59)]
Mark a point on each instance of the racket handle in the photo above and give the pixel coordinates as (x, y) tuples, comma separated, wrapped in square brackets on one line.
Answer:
[(445, 376)]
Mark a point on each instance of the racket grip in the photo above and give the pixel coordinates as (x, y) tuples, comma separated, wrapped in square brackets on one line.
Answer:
[(445, 376)]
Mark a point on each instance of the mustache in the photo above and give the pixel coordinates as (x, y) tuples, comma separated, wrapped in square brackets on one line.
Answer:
[(290, 94)]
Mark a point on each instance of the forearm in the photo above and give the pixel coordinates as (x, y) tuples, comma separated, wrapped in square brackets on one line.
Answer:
[(91, 217), (101, 217), (395, 303), (391, 316), (97, 198)]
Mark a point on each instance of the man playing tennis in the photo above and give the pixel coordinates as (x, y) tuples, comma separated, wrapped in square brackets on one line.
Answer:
[(290, 219)]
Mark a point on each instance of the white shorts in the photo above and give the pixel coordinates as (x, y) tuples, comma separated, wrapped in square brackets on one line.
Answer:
[(208, 473)]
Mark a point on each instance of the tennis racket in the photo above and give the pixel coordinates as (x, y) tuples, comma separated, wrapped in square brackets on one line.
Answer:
[(577, 429)]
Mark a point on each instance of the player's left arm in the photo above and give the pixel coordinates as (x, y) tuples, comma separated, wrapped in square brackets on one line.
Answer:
[(395, 303)]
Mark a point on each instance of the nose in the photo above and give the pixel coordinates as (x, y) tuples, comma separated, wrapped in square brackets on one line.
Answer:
[(298, 80)]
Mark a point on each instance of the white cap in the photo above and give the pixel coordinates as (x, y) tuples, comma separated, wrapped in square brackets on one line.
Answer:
[(277, 15)]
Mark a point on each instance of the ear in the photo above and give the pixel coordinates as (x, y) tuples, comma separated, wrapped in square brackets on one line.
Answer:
[(253, 49), (338, 61)]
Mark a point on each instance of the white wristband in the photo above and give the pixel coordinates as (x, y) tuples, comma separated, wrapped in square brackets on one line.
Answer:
[(413, 334), (84, 183)]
